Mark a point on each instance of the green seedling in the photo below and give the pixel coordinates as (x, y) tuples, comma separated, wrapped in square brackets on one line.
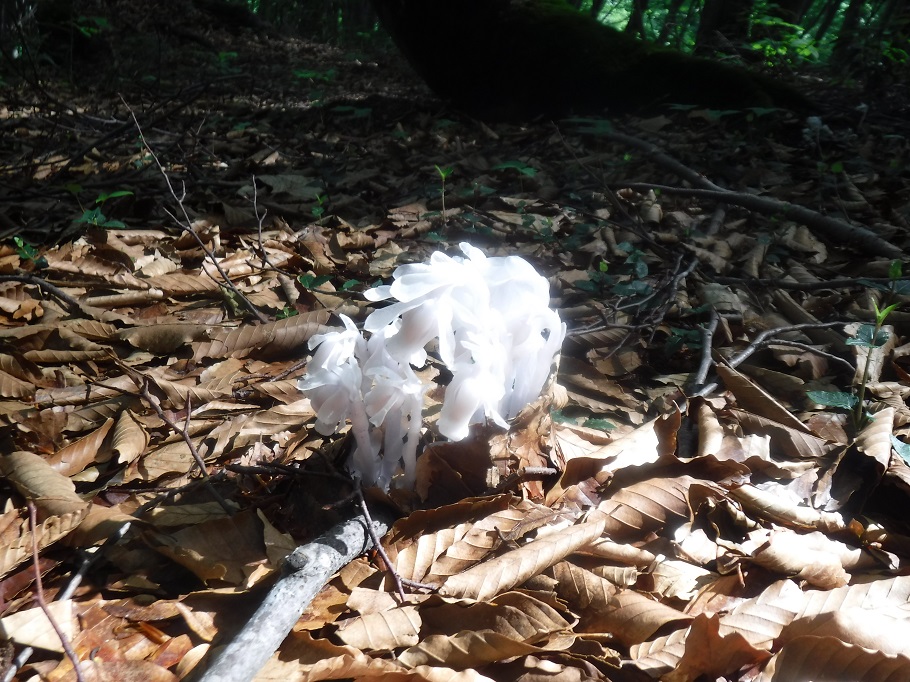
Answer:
[(522, 168), (285, 313), (444, 172), (313, 75), (24, 250), (312, 282), (95, 216), (318, 210), (870, 337)]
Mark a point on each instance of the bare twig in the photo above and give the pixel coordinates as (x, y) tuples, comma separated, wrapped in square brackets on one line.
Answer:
[(39, 593), (377, 545), (187, 226), (707, 342), (71, 303), (142, 383), (305, 571), (761, 339), (841, 283), (854, 235)]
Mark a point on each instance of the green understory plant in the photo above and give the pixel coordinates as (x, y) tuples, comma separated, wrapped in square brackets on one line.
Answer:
[(443, 172), (870, 337), (95, 216)]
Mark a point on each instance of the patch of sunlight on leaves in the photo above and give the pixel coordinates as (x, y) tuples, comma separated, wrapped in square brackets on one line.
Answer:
[(902, 448), (867, 338), (838, 399)]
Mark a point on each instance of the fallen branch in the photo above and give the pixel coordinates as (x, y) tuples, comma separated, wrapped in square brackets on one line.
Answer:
[(305, 571), (854, 235)]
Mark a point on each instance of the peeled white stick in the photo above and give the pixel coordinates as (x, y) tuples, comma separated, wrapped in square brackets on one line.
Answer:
[(305, 571)]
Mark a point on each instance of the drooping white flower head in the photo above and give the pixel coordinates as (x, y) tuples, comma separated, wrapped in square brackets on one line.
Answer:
[(495, 333)]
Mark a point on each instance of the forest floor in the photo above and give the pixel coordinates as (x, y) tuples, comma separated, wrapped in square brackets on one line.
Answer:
[(716, 487)]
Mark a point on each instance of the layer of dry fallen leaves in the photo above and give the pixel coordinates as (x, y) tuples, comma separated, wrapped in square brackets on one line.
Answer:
[(705, 521)]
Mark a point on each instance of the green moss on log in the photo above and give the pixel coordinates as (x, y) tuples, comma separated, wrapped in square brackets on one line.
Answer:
[(518, 58)]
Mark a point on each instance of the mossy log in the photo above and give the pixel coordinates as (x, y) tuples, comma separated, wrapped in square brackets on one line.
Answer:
[(520, 58)]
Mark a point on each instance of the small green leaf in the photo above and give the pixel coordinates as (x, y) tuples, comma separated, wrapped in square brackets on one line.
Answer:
[(601, 424), (444, 171), (867, 338), (24, 250), (895, 269), (839, 399), (522, 168), (312, 281), (285, 313), (634, 288), (902, 448), (350, 284)]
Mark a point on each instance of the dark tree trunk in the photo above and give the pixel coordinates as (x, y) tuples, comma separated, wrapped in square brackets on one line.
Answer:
[(848, 38), (724, 25), (669, 27), (825, 18), (636, 25)]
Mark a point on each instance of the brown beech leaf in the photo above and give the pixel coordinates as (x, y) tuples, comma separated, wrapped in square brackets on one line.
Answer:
[(13, 387), (792, 443), (383, 631), (88, 450), (875, 439), (226, 549), (183, 283), (633, 617), (641, 446), (515, 615), (752, 398), (767, 505), (121, 671), (304, 659), (280, 338), (17, 539), (53, 493), (161, 339), (646, 506), (31, 627), (587, 593), (709, 655), (828, 658), (508, 570), (813, 557), (130, 439), (421, 542), (464, 650), (768, 617)]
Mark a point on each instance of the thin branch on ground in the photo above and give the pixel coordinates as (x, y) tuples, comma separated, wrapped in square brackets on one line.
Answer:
[(855, 235), (187, 226), (142, 383), (830, 357), (840, 283), (377, 543), (305, 571), (707, 344), (525, 474), (758, 342), (72, 304), (39, 593)]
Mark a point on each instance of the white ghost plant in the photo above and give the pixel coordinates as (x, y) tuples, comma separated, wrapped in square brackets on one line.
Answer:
[(495, 332)]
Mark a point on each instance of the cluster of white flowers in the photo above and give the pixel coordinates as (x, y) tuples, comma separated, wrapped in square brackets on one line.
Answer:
[(496, 333)]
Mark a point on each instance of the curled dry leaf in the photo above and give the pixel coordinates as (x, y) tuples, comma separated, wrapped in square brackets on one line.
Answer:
[(820, 658), (779, 509), (508, 570), (53, 493), (32, 627), (88, 450)]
